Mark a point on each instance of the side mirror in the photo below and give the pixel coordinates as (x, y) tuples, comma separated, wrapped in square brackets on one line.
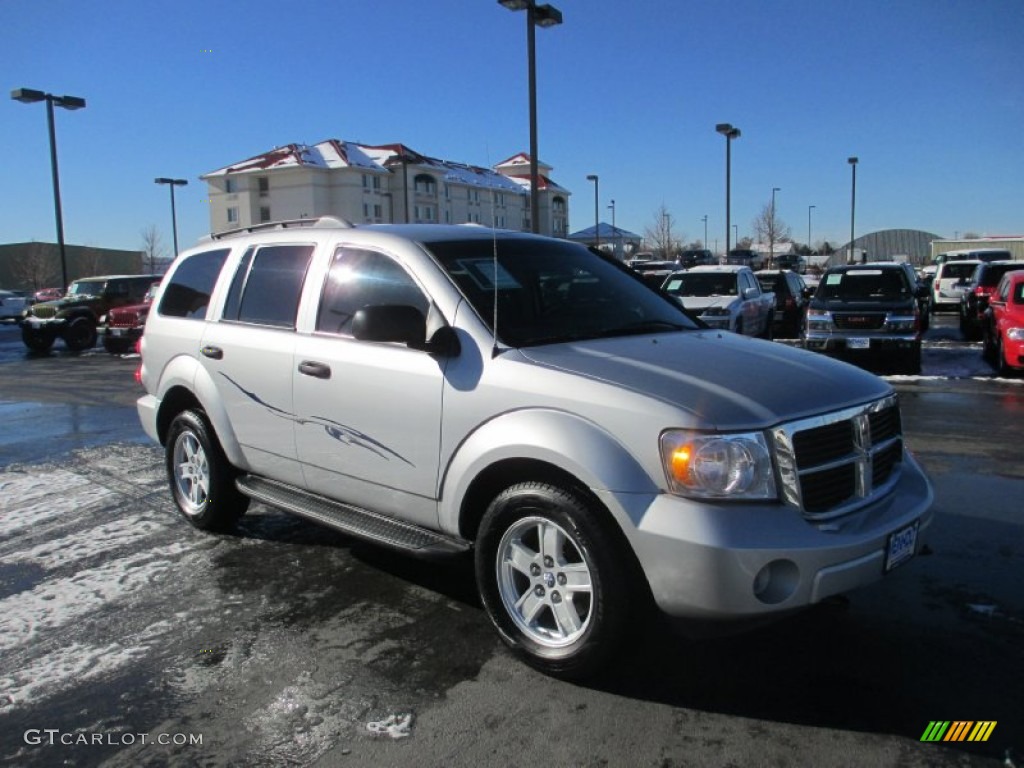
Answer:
[(749, 293), (406, 325)]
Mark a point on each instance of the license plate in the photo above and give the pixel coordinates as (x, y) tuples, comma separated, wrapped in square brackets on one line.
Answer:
[(901, 546), (115, 331), (858, 343)]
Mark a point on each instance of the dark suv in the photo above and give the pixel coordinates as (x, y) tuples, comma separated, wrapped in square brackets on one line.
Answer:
[(790, 299), (74, 318), (696, 257), (974, 300), (867, 312)]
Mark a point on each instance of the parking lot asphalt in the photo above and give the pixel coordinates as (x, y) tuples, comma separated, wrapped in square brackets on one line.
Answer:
[(282, 643)]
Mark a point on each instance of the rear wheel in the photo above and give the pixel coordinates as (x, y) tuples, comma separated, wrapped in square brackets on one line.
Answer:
[(1002, 367), (553, 578), (80, 334), (202, 481)]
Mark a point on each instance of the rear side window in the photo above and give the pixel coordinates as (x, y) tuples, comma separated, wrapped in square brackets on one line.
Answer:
[(267, 286), (188, 292)]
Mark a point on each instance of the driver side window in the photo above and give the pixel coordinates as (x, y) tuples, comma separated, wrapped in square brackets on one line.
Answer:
[(359, 279)]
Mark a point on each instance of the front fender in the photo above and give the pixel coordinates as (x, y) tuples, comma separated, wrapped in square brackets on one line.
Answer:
[(558, 438)]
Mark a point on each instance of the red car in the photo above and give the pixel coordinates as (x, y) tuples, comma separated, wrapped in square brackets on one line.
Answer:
[(121, 328), (1004, 332), (48, 294)]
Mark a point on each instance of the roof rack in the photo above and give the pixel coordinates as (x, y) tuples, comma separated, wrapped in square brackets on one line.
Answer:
[(319, 222)]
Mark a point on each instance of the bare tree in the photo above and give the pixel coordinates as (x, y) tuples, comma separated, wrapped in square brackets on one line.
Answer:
[(89, 262), (662, 234), (38, 268), (971, 236), (152, 248), (770, 229)]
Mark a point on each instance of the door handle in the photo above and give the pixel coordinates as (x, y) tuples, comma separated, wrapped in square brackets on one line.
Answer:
[(315, 369), (214, 353)]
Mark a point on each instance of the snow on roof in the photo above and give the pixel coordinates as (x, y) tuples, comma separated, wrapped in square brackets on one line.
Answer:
[(332, 153)]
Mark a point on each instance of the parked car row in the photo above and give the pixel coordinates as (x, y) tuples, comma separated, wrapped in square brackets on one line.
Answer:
[(77, 317)]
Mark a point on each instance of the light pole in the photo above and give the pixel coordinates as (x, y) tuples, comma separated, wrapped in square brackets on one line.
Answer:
[(172, 183), (853, 200), (28, 96), (735, 231), (730, 133), (705, 220), (536, 16), (771, 230), (597, 227), (809, 209), (615, 232)]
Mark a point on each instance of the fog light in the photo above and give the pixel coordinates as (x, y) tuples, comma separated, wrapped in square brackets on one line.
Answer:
[(776, 582)]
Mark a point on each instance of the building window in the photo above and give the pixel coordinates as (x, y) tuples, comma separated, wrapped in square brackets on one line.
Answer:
[(447, 192), (366, 181), (230, 187), (499, 199), (377, 211), (232, 215), (425, 185), (263, 184), (264, 213), (558, 203), (366, 210), (447, 217), (376, 182)]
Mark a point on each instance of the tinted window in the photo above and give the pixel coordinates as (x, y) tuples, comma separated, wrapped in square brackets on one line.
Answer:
[(553, 291), (359, 279), (274, 284), (864, 285), (188, 292), (991, 275), (958, 270), (234, 299)]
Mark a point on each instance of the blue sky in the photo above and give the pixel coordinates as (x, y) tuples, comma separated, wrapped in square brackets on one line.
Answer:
[(929, 94)]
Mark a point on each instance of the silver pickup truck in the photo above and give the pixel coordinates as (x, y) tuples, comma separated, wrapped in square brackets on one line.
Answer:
[(453, 390), (727, 297)]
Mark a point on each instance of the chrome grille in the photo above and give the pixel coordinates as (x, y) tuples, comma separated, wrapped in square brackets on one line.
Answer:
[(44, 312), (859, 322), (829, 465)]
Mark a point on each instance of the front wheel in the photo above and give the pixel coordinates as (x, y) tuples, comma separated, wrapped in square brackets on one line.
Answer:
[(37, 341), (553, 578), (202, 481)]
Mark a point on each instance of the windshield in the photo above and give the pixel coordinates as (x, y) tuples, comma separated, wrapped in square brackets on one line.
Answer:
[(550, 291), (702, 284), (864, 285), (86, 288)]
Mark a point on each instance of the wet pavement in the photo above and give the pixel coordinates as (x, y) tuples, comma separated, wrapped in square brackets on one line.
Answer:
[(279, 644)]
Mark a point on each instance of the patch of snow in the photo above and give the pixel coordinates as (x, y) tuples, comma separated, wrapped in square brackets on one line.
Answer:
[(81, 546), (26, 501)]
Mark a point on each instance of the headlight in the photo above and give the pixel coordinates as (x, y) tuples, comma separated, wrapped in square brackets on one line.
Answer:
[(718, 466), (716, 312), (819, 320), (1015, 334), (103, 320)]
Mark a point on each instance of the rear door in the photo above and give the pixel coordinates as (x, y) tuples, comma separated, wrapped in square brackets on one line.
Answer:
[(248, 353)]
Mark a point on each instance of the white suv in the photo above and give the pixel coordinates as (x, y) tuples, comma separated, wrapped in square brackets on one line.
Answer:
[(950, 283), (445, 389)]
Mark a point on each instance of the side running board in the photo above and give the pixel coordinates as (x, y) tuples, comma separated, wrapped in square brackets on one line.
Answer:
[(352, 520)]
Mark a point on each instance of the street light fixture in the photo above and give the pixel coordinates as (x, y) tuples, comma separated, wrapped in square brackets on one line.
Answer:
[(536, 16), (809, 209), (29, 96), (853, 200), (174, 216), (771, 230), (730, 132), (597, 226)]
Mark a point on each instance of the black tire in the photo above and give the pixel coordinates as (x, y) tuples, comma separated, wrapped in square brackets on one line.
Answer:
[(570, 633), (37, 341), (1003, 369), (117, 346), (80, 334), (988, 349), (202, 481), (739, 326), (769, 330)]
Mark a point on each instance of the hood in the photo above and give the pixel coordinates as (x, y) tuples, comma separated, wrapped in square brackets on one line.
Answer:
[(727, 382), (58, 305), (700, 303)]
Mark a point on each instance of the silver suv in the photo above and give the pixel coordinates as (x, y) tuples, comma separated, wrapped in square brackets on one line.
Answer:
[(452, 389)]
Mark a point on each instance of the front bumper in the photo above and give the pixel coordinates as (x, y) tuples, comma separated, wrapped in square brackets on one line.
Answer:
[(53, 324), (120, 333), (743, 561), (869, 342)]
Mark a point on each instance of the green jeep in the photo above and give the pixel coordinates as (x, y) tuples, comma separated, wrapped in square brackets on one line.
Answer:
[(74, 317)]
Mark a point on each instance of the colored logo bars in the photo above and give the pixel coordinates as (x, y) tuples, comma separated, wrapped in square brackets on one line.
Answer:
[(958, 730)]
